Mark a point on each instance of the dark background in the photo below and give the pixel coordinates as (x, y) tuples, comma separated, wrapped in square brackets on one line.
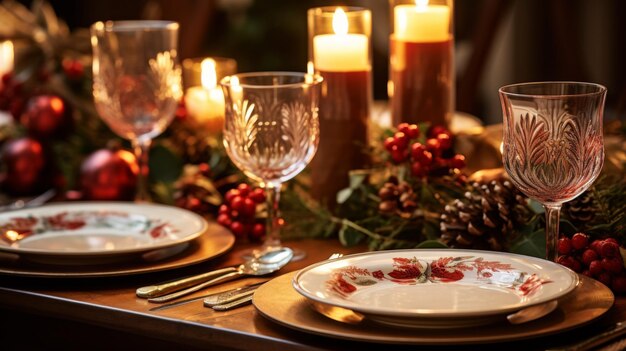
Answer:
[(497, 41)]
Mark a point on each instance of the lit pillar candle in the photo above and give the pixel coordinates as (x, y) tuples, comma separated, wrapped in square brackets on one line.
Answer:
[(421, 22), (206, 103), (422, 68), (6, 58), (340, 50)]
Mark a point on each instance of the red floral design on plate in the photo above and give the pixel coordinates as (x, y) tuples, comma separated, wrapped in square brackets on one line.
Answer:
[(340, 286), (159, 231), (531, 285), (347, 280), (406, 270), (60, 222), (448, 269), (17, 229)]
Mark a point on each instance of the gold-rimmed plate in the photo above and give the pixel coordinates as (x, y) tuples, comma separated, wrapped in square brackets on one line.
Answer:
[(95, 232), (587, 302), (438, 288), (213, 243)]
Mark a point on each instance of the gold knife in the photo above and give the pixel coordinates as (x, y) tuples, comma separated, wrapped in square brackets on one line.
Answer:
[(224, 296), (157, 290)]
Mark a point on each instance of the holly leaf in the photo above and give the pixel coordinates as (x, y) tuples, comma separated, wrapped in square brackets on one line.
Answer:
[(531, 245), (431, 230), (566, 227), (165, 166), (431, 244), (357, 178), (164, 193), (349, 236), (356, 181), (343, 195), (536, 207)]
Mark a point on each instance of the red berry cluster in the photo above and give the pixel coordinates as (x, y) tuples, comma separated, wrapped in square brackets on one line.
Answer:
[(238, 213), (599, 259), (12, 96), (74, 69), (433, 157)]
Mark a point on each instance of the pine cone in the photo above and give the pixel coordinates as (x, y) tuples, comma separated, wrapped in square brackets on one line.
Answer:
[(193, 147), (580, 210), (194, 190), (397, 198), (485, 218)]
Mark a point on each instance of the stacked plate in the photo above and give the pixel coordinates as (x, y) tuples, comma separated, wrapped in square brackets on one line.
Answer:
[(102, 233), (434, 288)]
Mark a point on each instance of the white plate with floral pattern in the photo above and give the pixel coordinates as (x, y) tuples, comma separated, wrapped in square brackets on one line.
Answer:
[(438, 288), (95, 232)]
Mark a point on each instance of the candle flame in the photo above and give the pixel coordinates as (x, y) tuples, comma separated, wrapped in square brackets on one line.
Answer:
[(421, 4), (6, 57), (340, 22), (208, 73), (310, 72)]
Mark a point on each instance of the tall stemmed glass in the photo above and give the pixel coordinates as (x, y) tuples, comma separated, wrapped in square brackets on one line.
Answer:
[(271, 132), (553, 144), (136, 82)]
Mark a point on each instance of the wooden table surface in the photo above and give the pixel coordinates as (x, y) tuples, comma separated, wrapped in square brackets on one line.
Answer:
[(104, 313)]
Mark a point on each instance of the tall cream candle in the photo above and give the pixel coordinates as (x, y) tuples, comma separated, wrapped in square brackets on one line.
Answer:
[(342, 51)]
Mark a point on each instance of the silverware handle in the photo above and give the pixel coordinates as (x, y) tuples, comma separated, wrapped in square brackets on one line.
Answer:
[(152, 291), (224, 278), (617, 330), (225, 298), (237, 303)]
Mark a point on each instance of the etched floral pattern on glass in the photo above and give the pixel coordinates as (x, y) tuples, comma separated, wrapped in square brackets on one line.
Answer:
[(553, 155), (136, 82), (271, 131), (553, 147)]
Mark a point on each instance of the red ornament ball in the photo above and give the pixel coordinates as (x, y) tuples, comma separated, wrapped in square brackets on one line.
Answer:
[(109, 174), (27, 169), (47, 116)]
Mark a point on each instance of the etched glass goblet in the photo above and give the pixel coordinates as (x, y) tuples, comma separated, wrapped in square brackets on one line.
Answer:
[(136, 82), (553, 147), (271, 132)]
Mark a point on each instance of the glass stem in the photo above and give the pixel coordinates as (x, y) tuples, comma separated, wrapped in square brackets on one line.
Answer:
[(141, 147), (272, 226), (552, 231)]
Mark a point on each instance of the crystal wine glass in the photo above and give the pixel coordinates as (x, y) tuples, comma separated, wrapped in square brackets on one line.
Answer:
[(553, 143), (271, 132), (136, 82)]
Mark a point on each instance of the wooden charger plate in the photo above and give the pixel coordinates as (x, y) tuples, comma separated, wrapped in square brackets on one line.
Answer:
[(278, 301), (213, 243)]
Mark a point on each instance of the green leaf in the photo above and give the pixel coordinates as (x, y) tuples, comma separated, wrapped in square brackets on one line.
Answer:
[(357, 178), (164, 193), (567, 227), (349, 236), (536, 206), (431, 244), (431, 230), (531, 226), (374, 245), (343, 195), (165, 166), (531, 245)]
